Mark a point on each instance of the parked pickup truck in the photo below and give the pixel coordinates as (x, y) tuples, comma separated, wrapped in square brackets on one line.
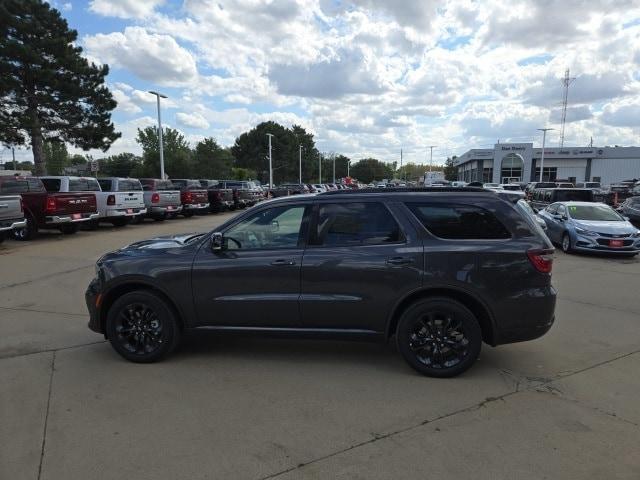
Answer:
[(241, 195), (53, 209), (194, 198), (120, 201), (11, 211), (220, 199), (161, 198)]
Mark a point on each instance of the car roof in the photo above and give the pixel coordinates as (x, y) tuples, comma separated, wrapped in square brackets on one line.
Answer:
[(576, 203)]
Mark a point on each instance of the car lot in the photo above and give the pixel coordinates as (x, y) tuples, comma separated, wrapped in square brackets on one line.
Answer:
[(563, 406)]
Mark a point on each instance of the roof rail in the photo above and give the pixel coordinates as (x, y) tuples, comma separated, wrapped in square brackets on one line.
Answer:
[(408, 190)]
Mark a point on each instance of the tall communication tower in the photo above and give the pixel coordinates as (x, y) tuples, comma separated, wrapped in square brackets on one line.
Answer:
[(566, 81)]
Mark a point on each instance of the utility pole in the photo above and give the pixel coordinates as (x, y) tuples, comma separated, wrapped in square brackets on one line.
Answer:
[(565, 95), (319, 168), (544, 137), (400, 164), (158, 97), (348, 164), (270, 163), (334, 169), (431, 147), (300, 163)]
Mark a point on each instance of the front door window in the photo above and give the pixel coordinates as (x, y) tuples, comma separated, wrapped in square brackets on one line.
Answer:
[(278, 227)]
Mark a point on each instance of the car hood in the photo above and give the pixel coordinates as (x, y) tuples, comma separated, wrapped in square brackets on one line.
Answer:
[(605, 227), (157, 243)]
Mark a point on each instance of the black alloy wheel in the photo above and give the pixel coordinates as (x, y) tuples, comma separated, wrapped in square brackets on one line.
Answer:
[(439, 337), (142, 327)]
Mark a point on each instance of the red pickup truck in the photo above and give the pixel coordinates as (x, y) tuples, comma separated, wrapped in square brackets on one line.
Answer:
[(49, 210), (194, 198)]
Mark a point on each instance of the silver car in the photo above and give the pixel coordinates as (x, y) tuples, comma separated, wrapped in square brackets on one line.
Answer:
[(590, 227)]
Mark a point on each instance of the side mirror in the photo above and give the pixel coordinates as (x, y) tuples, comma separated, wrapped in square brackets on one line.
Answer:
[(217, 242)]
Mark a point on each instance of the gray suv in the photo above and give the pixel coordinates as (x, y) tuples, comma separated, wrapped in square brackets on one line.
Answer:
[(439, 270)]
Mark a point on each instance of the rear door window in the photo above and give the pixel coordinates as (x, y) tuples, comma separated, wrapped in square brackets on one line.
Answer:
[(459, 222), (83, 185), (357, 223), (51, 184)]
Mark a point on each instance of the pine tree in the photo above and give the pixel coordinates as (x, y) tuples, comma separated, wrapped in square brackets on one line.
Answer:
[(47, 89)]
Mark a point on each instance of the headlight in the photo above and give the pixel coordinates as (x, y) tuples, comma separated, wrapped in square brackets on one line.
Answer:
[(637, 234), (582, 231)]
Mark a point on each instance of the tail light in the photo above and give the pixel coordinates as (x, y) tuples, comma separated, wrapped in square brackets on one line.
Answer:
[(542, 260), (51, 205), (187, 197), (111, 200), (155, 198)]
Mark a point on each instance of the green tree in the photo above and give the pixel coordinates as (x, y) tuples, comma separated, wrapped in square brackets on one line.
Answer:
[(368, 170), (212, 161), (238, 173), (77, 159), (56, 157), (177, 153), (251, 150), (120, 165), (450, 170), (48, 90)]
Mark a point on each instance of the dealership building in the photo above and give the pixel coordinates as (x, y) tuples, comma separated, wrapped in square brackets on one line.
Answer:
[(520, 162)]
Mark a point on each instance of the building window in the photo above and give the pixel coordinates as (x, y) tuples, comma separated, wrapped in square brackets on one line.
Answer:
[(487, 175), (549, 174), (511, 169)]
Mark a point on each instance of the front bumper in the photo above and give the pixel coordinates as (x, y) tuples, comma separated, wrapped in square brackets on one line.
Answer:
[(73, 218), (91, 297), (6, 225), (599, 243)]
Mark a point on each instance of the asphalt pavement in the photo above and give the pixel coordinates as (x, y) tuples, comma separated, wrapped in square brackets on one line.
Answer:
[(564, 406)]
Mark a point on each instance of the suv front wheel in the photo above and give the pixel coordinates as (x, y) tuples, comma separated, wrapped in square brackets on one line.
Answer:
[(142, 327), (439, 337)]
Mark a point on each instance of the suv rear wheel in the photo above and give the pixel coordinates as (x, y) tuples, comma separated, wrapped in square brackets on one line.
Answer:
[(439, 337), (142, 327)]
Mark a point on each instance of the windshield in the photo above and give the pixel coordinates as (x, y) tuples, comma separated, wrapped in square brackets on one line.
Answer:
[(597, 213), (83, 185), (129, 186)]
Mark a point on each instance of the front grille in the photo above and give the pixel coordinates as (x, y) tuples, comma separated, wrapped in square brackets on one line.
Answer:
[(605, 243), (614, 235)]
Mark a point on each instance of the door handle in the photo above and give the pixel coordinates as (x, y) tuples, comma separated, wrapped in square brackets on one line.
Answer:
[(282, 261), (399, 261)]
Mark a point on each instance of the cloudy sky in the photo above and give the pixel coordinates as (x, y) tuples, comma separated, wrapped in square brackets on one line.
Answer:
[(369, 77)]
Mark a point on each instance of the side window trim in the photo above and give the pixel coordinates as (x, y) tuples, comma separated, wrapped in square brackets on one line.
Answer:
[(433, 235), (303, 232), (313, 227)]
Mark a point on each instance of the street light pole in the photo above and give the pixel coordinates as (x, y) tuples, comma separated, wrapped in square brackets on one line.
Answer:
[(334, 169), (300, 163), (158, 96), (348, 164), (431, 147), (270, 163), (319, 168), (544, 137)]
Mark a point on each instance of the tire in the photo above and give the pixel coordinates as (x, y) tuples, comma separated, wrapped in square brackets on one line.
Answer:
[(439, 337), (69, 229), (160, 218), (142, 327), (138, 219), (90, 225), (187, 214), (120, 222), (2, 236), (27, 233), (565, 243)]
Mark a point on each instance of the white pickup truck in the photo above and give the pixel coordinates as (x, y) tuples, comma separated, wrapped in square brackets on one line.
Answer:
[(120, 201)]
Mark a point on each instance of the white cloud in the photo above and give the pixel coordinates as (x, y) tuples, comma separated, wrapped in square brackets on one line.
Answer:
[(193, 120), (124, 8), (154, 57), (124, 101)]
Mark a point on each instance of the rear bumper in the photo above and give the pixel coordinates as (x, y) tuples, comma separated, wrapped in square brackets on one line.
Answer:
[(57, 219), (194, 207), (534, 318), (158, 210), (124, 212), (6, 225)]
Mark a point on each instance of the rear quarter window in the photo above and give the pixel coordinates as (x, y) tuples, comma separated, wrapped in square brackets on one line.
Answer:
[(459, 222)]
